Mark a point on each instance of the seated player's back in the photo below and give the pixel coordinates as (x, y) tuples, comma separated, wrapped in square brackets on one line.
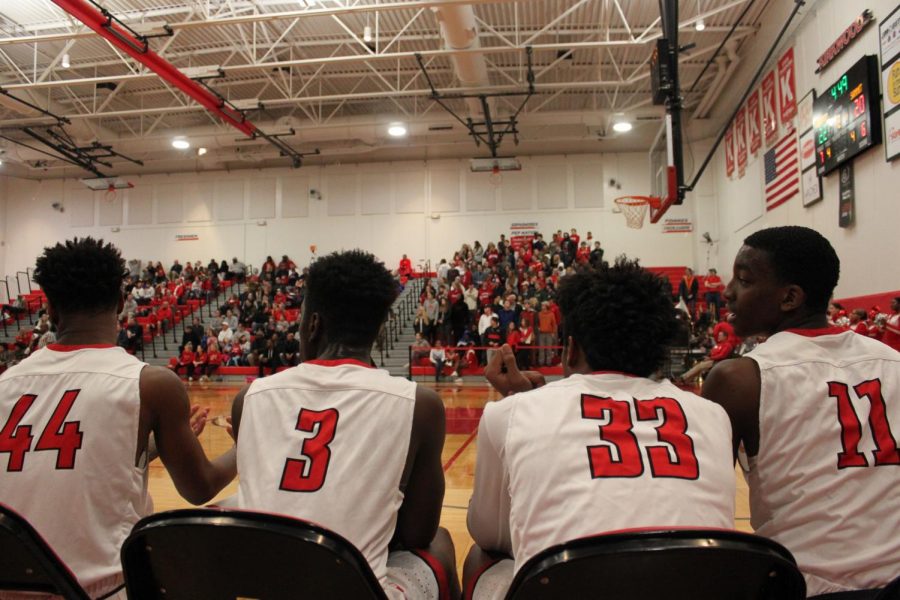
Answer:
[(825, 480), (327, 441), (606, 451), (73, 475)]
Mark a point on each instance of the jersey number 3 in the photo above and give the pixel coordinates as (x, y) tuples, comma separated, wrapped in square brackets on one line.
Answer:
[(64, 437), (618, 433), (307, 474), (886, 452)]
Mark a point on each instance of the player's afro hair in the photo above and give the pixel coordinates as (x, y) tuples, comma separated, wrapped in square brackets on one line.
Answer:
[(81, 275), (352, 292), (803, 257), (622, 316)]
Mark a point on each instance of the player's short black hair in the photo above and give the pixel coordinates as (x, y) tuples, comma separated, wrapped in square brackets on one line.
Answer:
[(801, 256), (622, 316), (352, 293), (81, 275)]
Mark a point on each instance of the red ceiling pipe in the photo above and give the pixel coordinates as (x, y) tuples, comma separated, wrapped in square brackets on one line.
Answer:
[(125, 41)]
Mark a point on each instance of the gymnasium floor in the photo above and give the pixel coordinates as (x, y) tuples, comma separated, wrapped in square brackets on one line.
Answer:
[(463, 402)]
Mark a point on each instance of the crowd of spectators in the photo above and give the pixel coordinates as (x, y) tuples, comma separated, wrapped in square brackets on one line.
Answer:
[(503, 292)]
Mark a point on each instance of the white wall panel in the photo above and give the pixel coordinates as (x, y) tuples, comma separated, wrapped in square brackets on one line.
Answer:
[(229, 196), (409, 191), (169, 205), (294, 197), (261, 199)]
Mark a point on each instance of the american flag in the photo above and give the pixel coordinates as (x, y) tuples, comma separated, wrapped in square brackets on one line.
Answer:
[(782, 171)]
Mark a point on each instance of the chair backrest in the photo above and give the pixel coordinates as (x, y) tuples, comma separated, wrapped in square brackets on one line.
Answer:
[(28, 564), (219, 553), (675, 565)]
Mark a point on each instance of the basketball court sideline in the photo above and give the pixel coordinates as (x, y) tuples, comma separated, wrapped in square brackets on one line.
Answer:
[(463, 405)]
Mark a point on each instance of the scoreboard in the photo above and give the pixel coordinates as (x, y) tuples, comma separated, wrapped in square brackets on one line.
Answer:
[(847, 116)]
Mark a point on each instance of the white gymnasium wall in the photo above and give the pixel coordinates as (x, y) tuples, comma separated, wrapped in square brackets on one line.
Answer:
[(867, 247), (425, 210), (4, 187)]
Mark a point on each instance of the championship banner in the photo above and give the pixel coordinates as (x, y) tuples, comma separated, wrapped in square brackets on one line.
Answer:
[(753, 126), (678, 226), (740, 132), (769, 112), (787, 86), (186, 237), (729, 151), (521, 234)]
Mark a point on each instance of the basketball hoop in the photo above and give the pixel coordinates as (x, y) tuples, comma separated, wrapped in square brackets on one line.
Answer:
[(496, 178), (110, 194), (635, 208)]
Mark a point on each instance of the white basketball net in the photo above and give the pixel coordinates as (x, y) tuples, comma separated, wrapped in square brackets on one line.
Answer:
[(634, 209)]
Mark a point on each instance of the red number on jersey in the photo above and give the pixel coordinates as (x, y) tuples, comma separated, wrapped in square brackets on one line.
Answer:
[(672, 431), (15, 438), (61, 436), (308, 474), (618, 432), (886, 451), (57, 435)]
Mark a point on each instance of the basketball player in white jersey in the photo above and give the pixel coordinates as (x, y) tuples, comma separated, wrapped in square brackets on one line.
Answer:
[(604, 449), (76, 416), (348, 446), (817, 410)]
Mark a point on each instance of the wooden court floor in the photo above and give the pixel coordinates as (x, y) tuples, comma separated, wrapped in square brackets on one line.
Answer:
[(463, 402)]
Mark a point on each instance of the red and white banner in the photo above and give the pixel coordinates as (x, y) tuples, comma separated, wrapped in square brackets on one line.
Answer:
[(729, 151), (753, 126), (521, 234), (787, 87), (769, 112), (740, 133)]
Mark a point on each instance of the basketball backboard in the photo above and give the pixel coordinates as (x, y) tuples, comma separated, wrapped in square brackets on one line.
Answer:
[(663, 170)]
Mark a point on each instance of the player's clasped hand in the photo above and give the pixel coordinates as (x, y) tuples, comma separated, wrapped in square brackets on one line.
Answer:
[(503, 373)]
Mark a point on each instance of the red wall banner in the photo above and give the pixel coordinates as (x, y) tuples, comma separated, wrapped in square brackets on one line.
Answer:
[(770, 118), (753, 127), (729, 151), (740, 133), (787, 86)]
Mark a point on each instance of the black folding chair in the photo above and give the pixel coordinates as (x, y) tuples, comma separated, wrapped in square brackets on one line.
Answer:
[(218, 553), (670, 565), (28, 564)]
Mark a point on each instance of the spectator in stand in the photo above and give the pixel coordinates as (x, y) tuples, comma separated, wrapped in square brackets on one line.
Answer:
[(405, 269), (214, 359), (237, 271), (492, 337), (290, 351), (164, 317), (484, 321), (268, 357), (724, 348), (714, 289), (478, 253), (506, 315), (185, 361), (175, 270), (687, 291), (438, 357), (891, 328), (548, 334), (268, 269), (858, 323), (191, 335), (459, 319), (130, 335), (225, 336), (596, 258), (526, 341), (200, 363), (422, 324), (583, 254), (7, 356), (420, 348), (442, 322), (130, 306)]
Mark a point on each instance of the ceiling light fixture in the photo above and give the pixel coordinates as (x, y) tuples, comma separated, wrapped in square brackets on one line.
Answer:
[(65, 61), (700, 25), (397, 130), (367, 34), (622, 126), (201, 151), (180, 143)]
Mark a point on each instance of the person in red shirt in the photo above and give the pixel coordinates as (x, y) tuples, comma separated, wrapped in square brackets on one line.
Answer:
[(891, 330), (583, 254), (714, 289), (405, 269), (213, 359), (724, 348), (186, 360), (164, 316), (575, 237), (199, 363)]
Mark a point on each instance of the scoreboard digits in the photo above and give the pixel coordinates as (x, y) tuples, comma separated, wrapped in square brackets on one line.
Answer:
[(847, 117)]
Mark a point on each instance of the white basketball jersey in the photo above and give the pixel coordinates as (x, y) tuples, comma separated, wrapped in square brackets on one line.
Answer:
[(826, 480), (68, 439), (327, 442), (603, 452)]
